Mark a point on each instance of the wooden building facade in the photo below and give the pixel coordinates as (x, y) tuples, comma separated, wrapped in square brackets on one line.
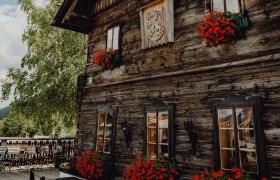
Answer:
[(173, 96)]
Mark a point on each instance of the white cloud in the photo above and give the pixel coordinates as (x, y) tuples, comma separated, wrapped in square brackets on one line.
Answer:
[(12, 24), (41, 3)]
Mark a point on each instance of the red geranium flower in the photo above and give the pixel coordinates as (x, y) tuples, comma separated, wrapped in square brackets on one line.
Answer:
[(217, 27)]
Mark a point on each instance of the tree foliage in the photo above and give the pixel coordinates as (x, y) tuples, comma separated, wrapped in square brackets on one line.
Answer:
[(45, 85)]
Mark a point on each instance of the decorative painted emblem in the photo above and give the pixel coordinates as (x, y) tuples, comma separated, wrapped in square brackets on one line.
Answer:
[(155, 23)]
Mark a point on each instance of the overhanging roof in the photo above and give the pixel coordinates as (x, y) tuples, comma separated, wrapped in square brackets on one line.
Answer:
[(75, 15)]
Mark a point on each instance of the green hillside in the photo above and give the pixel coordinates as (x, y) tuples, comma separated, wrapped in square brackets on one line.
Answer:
[(4, 112)]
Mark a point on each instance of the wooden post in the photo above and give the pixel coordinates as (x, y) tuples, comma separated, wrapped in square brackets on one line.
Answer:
[(32, 174)]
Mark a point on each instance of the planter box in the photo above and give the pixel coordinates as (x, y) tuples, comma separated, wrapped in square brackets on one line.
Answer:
[(243, 22)]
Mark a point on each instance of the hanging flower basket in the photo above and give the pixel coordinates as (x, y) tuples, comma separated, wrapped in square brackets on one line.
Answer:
[(107, 58), (218, 27)]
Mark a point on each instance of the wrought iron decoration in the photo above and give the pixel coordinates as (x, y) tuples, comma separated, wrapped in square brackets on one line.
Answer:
[(126, 132), (192, 136)]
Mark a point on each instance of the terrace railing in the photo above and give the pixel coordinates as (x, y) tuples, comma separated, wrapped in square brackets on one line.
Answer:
[(27, 153)]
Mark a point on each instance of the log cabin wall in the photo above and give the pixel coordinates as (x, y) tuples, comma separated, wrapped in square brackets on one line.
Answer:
[(186, 73)]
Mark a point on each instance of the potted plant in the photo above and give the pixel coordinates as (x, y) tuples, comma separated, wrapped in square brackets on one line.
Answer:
[(144, 168), (219, 27), (107, 58)]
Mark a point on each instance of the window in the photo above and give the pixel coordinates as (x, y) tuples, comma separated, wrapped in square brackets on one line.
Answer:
[(105, 130), (113, 37), (159, 132), (226, 5), (239, 137)]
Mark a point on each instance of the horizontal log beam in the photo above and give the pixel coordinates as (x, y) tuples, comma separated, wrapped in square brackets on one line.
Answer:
[(261, 59)]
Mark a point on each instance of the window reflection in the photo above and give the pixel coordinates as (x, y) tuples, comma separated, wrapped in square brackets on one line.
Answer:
[(99, 145), (163, 151), (152, 135), (163, 135), (109, 119), (100, 131), (104, 132), (237, 138), (227, 138), (218, 5), (228, 159), (101, 119), (232, 6), (152, 151), (248, 161), (152, 119), (244, 117), (246, 139), (157, 134), (225, 118), (107, 146)]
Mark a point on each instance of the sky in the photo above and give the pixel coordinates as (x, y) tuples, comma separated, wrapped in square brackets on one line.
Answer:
[(12, 49)]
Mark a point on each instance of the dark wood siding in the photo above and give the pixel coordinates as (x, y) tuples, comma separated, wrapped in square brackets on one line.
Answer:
[(188, 74)]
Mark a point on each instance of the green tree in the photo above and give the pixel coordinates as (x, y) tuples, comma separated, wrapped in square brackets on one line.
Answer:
[(45, 85)]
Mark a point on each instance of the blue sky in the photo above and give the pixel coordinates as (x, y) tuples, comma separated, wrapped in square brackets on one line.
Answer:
[(12, 49), (8, 2)]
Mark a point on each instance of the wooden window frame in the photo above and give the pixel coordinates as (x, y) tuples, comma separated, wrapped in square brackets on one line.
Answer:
[(171, 127), (225, 5), (104, 110), (235, 102), (119, 36)]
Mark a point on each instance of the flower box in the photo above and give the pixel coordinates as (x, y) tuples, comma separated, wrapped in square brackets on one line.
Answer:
[(107, 58), (144, 168), (220, 27), (94, 165), (243, 22)]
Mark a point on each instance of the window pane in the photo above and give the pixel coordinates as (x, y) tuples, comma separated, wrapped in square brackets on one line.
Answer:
[(152, 121), (232, 6), (152, 151), (109, 119), (218, 5), (108, 131), (107, 145), (100, 131), (152, 135), (228, 159), (163, 119), (244, 117), (248, 161), (226, 138), (109, 38), (99, 145), (246, 139), (163, 152), (101, 119), (225, 118), (163, 135), (116, 37)]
